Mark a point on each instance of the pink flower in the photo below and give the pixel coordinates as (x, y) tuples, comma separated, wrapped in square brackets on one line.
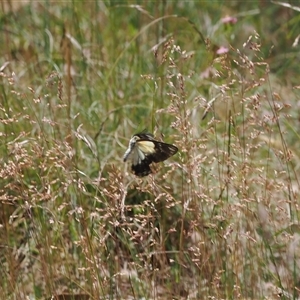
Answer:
[(231, 20), (222, 50)]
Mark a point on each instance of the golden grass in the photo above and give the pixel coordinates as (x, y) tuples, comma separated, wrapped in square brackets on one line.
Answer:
[(219, 220)]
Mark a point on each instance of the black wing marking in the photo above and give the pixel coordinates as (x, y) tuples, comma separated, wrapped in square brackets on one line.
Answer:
[(142, 169), (145, 136), (162, 151)]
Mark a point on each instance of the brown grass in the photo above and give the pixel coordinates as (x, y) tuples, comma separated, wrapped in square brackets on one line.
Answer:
[(217, 221)]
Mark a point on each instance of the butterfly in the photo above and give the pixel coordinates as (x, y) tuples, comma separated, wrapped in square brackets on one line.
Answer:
[(143, 150)]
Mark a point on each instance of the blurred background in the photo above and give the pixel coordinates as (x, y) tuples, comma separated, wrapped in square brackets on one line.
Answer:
[(218, 79)]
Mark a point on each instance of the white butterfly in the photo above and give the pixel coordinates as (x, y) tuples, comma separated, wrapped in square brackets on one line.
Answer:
[(143, 149)]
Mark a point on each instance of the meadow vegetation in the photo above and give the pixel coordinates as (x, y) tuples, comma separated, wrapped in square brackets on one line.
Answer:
[(219, 220)]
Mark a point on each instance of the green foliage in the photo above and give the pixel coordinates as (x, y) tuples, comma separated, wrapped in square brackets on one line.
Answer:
[(219, 220)]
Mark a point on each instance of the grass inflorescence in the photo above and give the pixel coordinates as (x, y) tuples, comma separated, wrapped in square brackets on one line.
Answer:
[(219, 220)]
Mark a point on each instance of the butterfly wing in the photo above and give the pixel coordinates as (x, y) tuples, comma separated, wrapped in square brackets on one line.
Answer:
[(148, 152), (162, 151), (146, 146), (141, 158), (142, 169), (143, 150)]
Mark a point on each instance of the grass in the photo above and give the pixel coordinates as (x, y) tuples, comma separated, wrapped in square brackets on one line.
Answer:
[(220, 220)]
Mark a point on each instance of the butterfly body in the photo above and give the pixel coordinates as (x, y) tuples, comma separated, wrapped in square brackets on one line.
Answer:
[(143, 149)]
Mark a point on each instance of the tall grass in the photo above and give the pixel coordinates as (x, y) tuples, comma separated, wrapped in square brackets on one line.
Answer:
[(217, 221)]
